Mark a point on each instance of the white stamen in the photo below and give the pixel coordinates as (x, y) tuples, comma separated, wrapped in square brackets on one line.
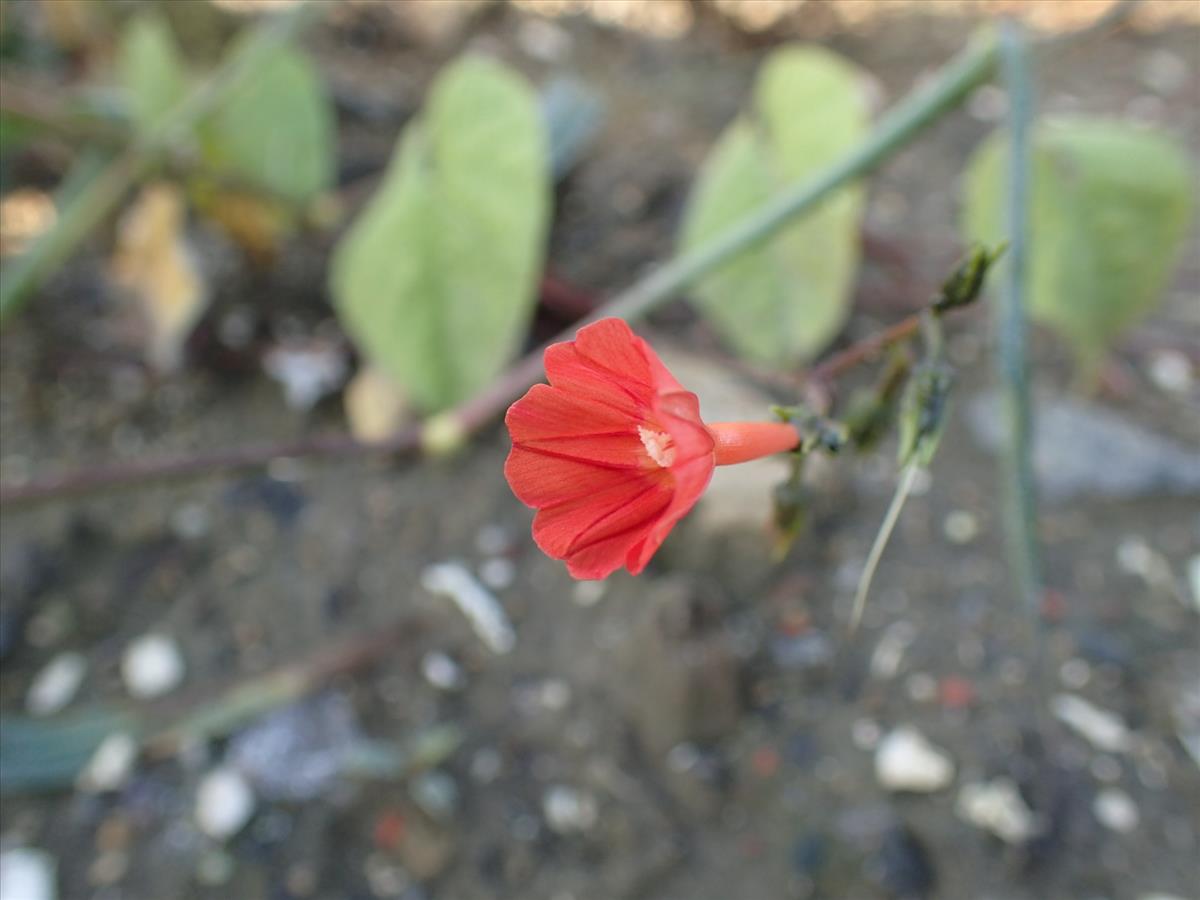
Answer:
[(658, 446)]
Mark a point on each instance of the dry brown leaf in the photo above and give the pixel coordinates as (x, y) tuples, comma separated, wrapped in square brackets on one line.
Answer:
[(256, 224), (154, 263), (24, 215)]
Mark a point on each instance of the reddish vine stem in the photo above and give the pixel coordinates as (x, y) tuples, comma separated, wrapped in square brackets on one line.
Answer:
[(862, 351), (469, 417)]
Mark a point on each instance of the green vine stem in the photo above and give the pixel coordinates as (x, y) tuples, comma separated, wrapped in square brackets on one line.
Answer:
[(1019, 495)]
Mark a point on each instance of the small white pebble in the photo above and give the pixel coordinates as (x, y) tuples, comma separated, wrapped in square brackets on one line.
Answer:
[(683, 757), (224, 803), (569, 810), (110, 765), (1171, 371), (56, 685), (442, 672), (997, 806), (152, 666), (589, 593), (889, 652), (190, 522), (486, 765), (1103, 729), (921, 687), (27, 874), (554, 694), (1075, 673), (498, 573), (484, 612), (906, 761), (1115, 809), (960, 527)]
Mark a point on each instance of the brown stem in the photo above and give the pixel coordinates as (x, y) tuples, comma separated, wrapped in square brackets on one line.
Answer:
[(865, 350)]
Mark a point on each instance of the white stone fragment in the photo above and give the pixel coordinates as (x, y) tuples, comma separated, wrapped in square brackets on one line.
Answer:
[(307, 371), (56, 685), (569, 810), (889, 652), (498, 572), (997, 806), (224, 803), (1115, 809), (152, 666), (906, 761), (1171, 371), (1103, 729), (111, 764), (589, 593), (442, 672), (482, 610), (27, 874), (960, 527)]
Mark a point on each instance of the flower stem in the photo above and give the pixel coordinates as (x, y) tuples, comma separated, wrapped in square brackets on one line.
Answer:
[(739, 442)]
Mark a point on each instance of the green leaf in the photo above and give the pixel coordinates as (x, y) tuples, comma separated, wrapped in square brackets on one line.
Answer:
[(1111, 204), (435, 280), (150, 69), (277, 131), (783, 301)]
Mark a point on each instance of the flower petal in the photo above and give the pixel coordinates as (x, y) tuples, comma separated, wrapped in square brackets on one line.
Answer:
[(575, 524), (690, 481), (540, 480), (546, 412), (570, 371)]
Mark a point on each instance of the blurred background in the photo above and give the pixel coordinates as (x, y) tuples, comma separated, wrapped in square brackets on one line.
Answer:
[(339, 676)]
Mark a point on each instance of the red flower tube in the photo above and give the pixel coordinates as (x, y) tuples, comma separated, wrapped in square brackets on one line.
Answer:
[(612, 452)]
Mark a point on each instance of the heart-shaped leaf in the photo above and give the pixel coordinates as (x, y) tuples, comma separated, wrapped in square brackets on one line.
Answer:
[(435, 280), (1109, 214), (785, 300), (277, 131), (150, 69)]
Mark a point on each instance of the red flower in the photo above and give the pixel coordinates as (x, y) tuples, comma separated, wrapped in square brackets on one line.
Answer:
[(612, 453)]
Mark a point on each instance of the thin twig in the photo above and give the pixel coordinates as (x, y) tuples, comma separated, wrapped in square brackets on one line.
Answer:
[(867, 349), (903, 488), (958, 78)]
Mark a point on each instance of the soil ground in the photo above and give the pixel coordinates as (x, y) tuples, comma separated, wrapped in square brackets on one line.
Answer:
[(712, 717)]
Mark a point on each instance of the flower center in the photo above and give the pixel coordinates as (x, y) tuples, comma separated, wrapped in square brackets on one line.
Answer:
[(658, 445)]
